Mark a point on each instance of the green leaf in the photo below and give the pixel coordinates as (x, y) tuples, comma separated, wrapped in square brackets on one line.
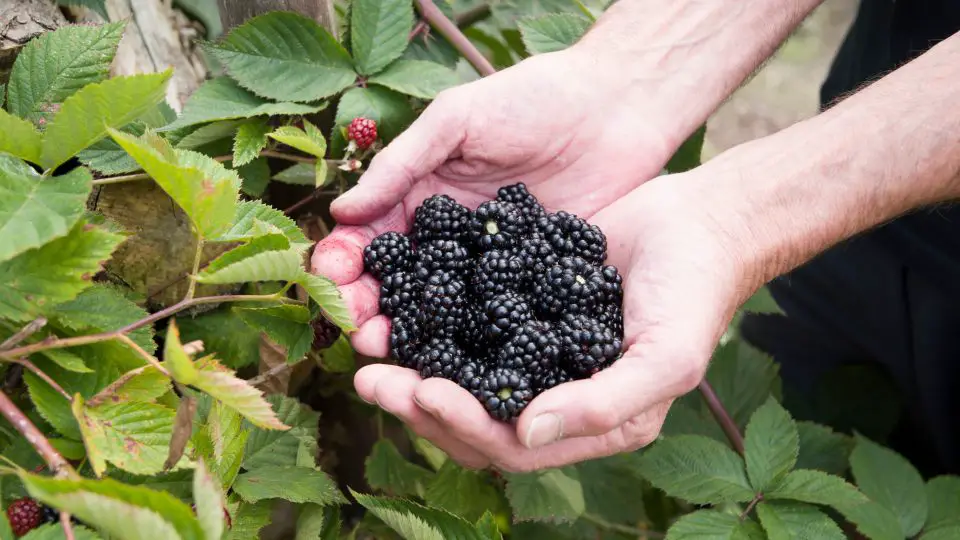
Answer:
[(207, 12), (688, 155), (223, 99), (390, 472), (6, 533), (550, 495), (121, 511), (379, 31), (54, 531), (57, 64), (688, 417), (891, 481), (225, 335), (466, 493), (102, 308), (553, 32), (762, 302), (19, 138), (97, 6), (792, 521), (743, 378), (87, 115), (249, 213), (204, 188), (301, 174), (175, 358), (817, 487), (209, 503), (197, 137), (108, 158), (255, 176), (487, 525), (327, 295), (339, 357), (287, 325), (146, 383), (696, 469), (285, 265), (310, 522), (874, 521), (35, 210), (714, 525), (951, 532), (257, 245), (772, 444), (823, 449), (251, 139), (67, 360), (390, 110), (56, 272), (416, 78), (610, 487), (52, 406), (295, 484), (310, 141), (416, 522), (288, 48), (249, 519), (943, 498), (275, 448), (132, 436), (221, 439)]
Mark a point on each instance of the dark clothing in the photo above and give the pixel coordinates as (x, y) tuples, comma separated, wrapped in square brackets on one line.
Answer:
[(889, 298)]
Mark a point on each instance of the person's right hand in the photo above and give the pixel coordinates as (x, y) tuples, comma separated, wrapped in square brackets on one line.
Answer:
[(572, 129)]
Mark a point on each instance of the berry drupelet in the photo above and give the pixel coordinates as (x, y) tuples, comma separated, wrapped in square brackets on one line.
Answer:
[(528, 205), (587, 345), (496, 225), (504, 314), (440, 218), (441, 255), (496, 273), (505, 393), (533, 348), (398, 290), (441, 357), (387, 253), (568, 234), (362, 131), (573, 285), (444, 304)]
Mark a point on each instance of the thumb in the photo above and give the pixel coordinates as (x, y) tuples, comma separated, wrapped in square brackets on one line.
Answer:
[(415, 153)]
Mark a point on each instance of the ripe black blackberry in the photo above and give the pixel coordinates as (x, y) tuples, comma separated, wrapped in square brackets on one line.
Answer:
[(505, 392), (612, 286), (549, 378), (530, 208), (496, 225), (471, 335), (497, 272), (611, 316), (441, 255), (504, 314), (440, 357), (405, 337), (573, 285), (398, 290), (444, 304), (387, 253), (440, 218), (471, 376), (536, 255), (325, 333), (568, 234), (587, 345), (533, 348)]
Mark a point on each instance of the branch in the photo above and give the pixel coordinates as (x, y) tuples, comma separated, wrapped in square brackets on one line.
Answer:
[(191, 289), (460, 42), (67, 527), (473, 16), (633, 532), (757, 499), (272, 372), (722, 416), (25, 332), (35, 437), (46, 378)]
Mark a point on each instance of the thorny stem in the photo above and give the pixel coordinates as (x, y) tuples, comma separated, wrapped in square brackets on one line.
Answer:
[(418, 29), (460, 42), (31, 328), (18, 420), (63, 343), (616, 527), (722, 416), (192, 288), (46, 378), (290, 157), (278, 369), (67, 526), (306, 200), (756, 500)]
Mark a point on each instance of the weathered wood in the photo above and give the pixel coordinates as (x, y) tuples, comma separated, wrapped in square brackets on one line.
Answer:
[(21, 21), (236, 12)]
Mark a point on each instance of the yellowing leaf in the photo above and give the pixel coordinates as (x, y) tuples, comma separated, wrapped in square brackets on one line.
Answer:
[(176, 358)]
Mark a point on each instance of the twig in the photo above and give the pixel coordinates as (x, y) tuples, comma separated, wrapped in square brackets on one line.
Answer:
[(472, 16), (121, 179), (289, 157), (144, 354), (18, 420), (63, 343), (278, 369), (460, 42), (616, 527), (31, 328), (303, 202), (722, 416), (418, 29), (46, 378), (67, 526), (756, 500)]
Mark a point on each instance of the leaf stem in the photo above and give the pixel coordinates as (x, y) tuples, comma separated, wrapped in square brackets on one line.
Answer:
[(616, 527), (46, 378), (152, 360), (67, 526), (473, 15), (121, 179), (62, 343), (35, 437), (757, 499), (460, 42), (290, 157), (722, 416), (278, 369), (31, 328), (192, 288)]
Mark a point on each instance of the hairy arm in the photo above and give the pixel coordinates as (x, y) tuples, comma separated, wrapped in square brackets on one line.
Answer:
[(891, 148), (691, 54)]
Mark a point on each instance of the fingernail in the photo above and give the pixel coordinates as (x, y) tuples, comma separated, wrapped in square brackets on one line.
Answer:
[(421, 405), (544, 430)]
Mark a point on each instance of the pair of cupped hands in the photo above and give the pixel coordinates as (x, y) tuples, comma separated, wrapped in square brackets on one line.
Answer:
[(567, 134)]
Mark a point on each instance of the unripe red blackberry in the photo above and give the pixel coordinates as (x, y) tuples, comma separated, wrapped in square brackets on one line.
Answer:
[(24, 515), (362, 131)]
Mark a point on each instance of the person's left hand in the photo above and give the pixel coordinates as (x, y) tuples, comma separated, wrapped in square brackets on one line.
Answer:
[(682, 283)]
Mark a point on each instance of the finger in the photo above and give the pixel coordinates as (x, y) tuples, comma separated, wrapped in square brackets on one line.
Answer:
[(373, 337), (339, 255), (362, 298), (392, 388), (426, 144)]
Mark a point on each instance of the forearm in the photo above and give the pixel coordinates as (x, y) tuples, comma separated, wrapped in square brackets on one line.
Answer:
[(688, 56), (889, 149)]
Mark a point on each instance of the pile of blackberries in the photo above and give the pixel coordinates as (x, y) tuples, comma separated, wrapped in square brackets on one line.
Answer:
[(507, 300)]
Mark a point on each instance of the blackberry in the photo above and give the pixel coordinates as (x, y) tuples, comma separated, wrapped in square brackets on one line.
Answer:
[(505, 392), (441, 255), (50, 514), (398, 290), (530, 208), (471, 376), (504, 314), (571, 235), (533, 348), (612, 286), (405, 337), (587, 345), (444, 303), (24, 515), (440, 357), (471, 332), (496, 273), (536, 255), (387, 253), (573, 285), (612, 317), (549, 378), (325, 333), (440, 218), (496, 225)]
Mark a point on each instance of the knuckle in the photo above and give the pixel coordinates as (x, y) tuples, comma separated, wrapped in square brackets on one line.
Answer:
[(600, 414)]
